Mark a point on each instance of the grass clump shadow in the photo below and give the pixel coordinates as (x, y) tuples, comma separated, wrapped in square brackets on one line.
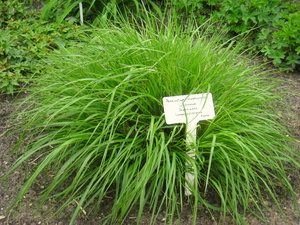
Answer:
[(98, 120)]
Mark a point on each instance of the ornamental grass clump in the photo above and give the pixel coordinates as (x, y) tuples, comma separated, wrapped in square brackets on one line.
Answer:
[(98, 123)]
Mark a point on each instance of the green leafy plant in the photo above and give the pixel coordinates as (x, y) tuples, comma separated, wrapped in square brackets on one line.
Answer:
[(98, 123), (24, 42), (11, 9), (12, 56), (254, 18), (284, 42), (95, 11)]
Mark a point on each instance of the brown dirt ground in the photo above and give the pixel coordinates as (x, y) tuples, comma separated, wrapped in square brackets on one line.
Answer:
[(26, 215)]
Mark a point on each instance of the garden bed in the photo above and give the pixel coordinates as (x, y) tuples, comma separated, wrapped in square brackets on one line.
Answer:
[(26, 214)]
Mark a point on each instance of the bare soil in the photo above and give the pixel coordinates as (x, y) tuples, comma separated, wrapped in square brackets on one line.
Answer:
[(26, 213)]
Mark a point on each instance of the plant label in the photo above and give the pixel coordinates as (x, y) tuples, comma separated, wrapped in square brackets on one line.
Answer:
[(189, 109)]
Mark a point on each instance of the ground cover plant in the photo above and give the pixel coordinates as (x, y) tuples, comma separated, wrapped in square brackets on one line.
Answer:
[(272, 26), (95, 123), (94, 11), (24, 42)]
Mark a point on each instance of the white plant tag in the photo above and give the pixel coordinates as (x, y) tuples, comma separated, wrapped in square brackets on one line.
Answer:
[(189, 109)]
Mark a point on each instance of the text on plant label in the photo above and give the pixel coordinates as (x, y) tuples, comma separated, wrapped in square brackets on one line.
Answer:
[(188, 108)]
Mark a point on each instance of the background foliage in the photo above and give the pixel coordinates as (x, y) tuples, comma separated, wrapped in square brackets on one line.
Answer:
[(25, 40), (272, 27), (95, 11)]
